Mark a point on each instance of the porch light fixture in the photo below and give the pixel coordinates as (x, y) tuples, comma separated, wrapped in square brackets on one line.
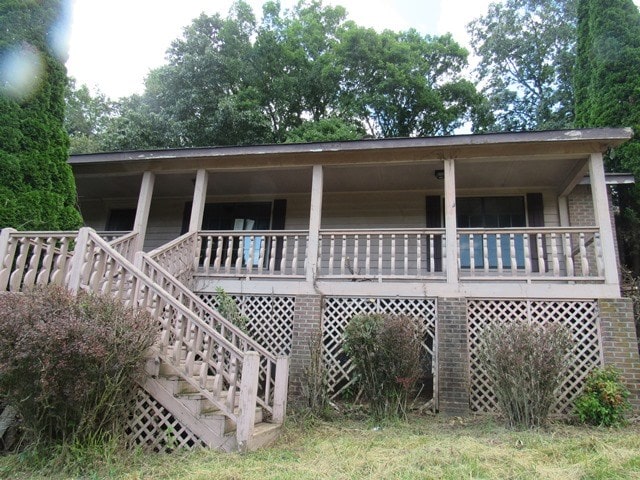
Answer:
[(439, 174)]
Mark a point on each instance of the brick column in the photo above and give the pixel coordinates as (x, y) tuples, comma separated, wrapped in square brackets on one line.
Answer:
[(620, 343), (307, 321), (453, 356)]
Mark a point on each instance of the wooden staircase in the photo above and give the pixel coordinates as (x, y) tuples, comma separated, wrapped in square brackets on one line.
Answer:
[(219, 384)]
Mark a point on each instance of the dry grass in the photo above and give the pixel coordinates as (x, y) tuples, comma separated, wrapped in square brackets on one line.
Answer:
[(422, 448)]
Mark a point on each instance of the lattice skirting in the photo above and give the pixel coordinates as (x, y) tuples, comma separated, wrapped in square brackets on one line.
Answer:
[(270, 318), (152, 427), (338, 311), (581, 317)]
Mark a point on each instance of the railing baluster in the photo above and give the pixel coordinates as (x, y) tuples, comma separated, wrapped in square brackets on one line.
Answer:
[(218, 259), (367, 262), (261, 251), (332, 253), (554, 255), (393, 254), (485, 252), (432, 250), (272, 255), (356, 244), (294, 260), (15, 280), (584, 261), (380, 253), (240, 253), (406, 254), (419, 254), (541, 259), (512, 253), (207, 254), (499, 253), (30, 276), (599, 257), (227, 261), (343, 257), (472, 253), (283, 260), (527, 257), (568, 254)]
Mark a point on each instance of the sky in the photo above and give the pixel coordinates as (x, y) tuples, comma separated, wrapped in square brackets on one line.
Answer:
[(114, 43)]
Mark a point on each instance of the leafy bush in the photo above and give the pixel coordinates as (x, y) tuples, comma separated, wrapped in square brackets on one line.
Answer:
[(604, 399), (68, 363), (228, 308), (385, 351), (524, 362)]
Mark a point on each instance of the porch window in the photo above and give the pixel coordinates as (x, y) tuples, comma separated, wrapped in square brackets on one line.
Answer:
[(490, 213), (121, 219)]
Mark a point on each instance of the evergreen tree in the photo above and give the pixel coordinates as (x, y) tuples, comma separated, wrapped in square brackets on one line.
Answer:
[(607, 94), (37, 189)]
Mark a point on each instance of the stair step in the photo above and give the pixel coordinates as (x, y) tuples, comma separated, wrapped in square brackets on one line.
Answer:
[(264, 434)]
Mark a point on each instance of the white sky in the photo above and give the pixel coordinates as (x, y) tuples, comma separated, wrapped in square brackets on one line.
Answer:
[(114, 43)]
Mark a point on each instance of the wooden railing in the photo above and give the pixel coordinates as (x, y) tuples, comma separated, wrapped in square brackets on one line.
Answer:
[(382, 254), (178, 257), (193, 347), (253, 253), (571, 253), (34, 258), (125, 244), (273, 371)]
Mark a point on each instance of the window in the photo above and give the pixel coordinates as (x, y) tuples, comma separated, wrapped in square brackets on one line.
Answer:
[(491, 213), (121, 219)]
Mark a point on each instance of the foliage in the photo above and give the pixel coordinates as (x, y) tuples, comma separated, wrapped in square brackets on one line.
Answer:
[(526, 50), (385, 351), (604, 399), (37, 190), (86, 117), (525, 362), (315, 385), (607, 94), (302, 74), (68, 363), (228, 308)]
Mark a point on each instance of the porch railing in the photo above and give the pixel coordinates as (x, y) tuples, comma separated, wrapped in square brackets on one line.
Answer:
[(570, 253), (388, 254), (253, 253)]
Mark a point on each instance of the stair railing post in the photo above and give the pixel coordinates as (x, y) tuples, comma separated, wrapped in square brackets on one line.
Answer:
[(248, 396), (281, 389), (5, 270), (78, 259)]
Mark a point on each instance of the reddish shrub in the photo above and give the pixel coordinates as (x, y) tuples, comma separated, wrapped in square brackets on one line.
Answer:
[(68, 363)]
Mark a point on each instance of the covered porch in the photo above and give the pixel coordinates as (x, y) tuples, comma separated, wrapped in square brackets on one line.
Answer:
[(457, 214)]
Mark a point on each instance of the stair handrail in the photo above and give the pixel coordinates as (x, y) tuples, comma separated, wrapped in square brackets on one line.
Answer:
[(269, 363), (181, 328)]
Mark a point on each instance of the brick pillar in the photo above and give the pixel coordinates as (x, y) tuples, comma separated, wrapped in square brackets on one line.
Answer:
[(307, 321), (453, 356), (620, 343)]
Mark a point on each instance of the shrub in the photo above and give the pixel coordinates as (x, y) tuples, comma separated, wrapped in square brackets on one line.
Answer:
[(228, 308), (385, 351), (524, 363), (604, 399), (68, 363)]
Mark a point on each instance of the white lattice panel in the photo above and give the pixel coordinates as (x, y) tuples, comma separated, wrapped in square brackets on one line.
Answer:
[(581, 317), (338, 311), (270, 319), (152, 427)]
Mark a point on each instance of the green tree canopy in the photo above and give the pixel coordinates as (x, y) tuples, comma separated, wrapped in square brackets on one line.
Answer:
[(302, 73), (527, 53), (607, 94), (37, 190)]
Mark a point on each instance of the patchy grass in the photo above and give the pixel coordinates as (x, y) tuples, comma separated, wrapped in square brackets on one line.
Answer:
[(424, 447)]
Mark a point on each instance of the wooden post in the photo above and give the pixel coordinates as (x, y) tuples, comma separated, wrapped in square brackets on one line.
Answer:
[(248, 395), (281, 389), (78, 259), (563, 210), (5, 270), (199, 200), (142, 211), (451, 223), (315, 219), (603, 219)]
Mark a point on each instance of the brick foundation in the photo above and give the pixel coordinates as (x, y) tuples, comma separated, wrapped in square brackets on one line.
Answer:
[(453, 356), (307, 321), (620, 344)]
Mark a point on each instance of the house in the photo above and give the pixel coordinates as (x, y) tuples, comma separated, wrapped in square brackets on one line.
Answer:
[(459, 231)]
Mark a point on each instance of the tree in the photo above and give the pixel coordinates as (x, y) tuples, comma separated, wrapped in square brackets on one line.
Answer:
[(86, 117), (527, 53), (607, 92), (37, 189)]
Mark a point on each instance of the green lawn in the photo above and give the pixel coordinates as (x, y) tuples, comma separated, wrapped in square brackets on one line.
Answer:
[(424, 447)]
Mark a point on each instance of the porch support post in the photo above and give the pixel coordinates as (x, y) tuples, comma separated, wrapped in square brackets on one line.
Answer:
[(144, 205), (603, 220), (315, 218), (199, 200), (451, 226), (563, 210)]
